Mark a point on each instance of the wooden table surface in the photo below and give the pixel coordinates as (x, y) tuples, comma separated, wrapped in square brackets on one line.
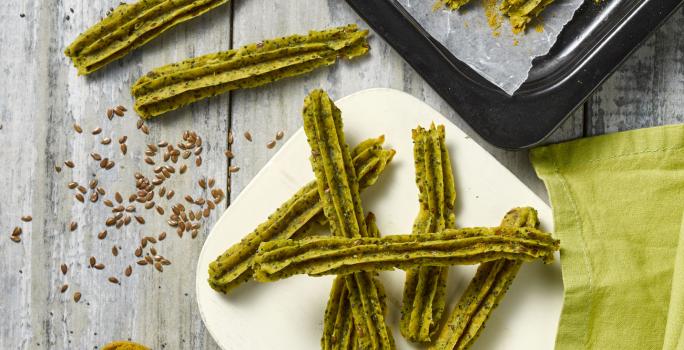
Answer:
[(41, 98)]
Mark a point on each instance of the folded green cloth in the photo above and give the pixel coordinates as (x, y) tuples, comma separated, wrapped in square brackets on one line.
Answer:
[(674, 338), (617, 201)]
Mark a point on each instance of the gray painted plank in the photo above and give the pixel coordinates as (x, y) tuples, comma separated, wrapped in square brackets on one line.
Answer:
[(647, 90), (42, 98)]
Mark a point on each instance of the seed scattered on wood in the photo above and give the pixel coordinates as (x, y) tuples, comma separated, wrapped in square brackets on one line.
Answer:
[(72, 185), (149, 161), (138, 251), (118, 112), (128, 271), (151, 239), (92, 184), (96, 156), (69, 163), (248, 136), (141, 262), (198, 151), (82, 189), (153, 251), (113, 279), (145, 130), (64, 268), (15, 239), (78, 128), (279, 135), (104, 163), (234, 169), (96, 131), (101, 191), (139, 123), (115, 251), (92, 261), (206, 212), (108, 203), (58, 168), (26, 218), (183, 169), (102, 234), (188, 198), (198, 161), (229, 154), (123, 139), (118, 197), (140, 219), (191, 215), (110, 221), (230, 137), (127, 220), (73, 226), (162, 191), (211, 205), (170, 194), (110, 113), (149, 260), (130, 208), (194, 234), (63, 288), (132, 198), (162, 236), (159, 267), (94, 196), (271, 144), (149, 205), (120, 108), (77, 297), (202, 183), (99, 266), (160, 210), (106, 141)]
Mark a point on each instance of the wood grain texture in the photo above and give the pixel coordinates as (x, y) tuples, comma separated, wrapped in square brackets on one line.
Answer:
[(647, 90), (41, 97)]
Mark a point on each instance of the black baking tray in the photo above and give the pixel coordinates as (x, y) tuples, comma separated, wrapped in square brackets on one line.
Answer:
[(590, 47)]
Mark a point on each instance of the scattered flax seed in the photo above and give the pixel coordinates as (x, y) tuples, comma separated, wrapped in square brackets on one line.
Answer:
[(110, 113), (120, 108), (115, 251), (188, 198), (183, 169), (110, 221), (96, 156), (64, 268), (233, 169), (230, 137), (113, 279), (198, 161), (69, 163), (127, 220), (92, 261), (26, 218), (108, 203), (106, 141), (99, 266), (118, 197), (140, 219), (162, 236), (186, 154), (211, 205), (58, 168), (102, 234), (94, 196), (110, 165), (138, 252), (159, 267), (123, 148), (160, 210), (151, 239), (149, 205), (211, 182), (206, 212), (194, 233), (202, 183), (128, 271), (148, 259), (229, 154), (82, 189), (271, 144), (77, 297), (101, 191), (170, 194), (145, 130), (78, 128), (279, 135), (149, 161), (153, 251), (92, 184), (248, 136), (96, 131), (63, 288), (79, 197), (123, 139), (15, 239), (141, 262), (72, 185), (139, 123), (118, 112)]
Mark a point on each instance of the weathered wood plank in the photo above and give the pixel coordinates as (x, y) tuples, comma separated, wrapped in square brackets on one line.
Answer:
[(647, 90), (266, 110), (44, 99)]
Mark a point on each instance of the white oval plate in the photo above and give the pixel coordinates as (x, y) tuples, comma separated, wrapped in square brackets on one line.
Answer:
[(288, 314)]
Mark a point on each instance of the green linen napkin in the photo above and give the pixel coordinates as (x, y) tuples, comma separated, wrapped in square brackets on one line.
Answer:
[(617, 201), (674, 338)]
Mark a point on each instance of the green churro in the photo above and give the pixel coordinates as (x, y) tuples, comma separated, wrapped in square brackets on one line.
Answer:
[(130, 26), (233, 267), (339, 189), (321, 255), (487, 288), (179, 84)]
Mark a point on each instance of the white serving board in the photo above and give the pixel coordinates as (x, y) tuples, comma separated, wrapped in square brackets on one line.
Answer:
[(288, 314)]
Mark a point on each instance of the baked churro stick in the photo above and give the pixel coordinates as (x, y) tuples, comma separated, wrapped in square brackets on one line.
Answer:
[(179, 84), (130, 26), (233, 267), (425, 287), (323, 255), (484, 292), (339, 189)]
